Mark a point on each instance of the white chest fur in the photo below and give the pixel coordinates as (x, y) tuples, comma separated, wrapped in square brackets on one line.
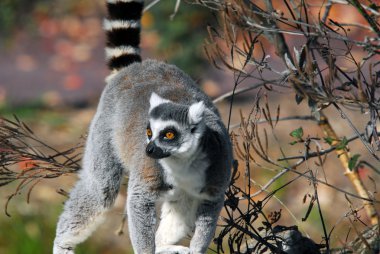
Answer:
[(187, 174)]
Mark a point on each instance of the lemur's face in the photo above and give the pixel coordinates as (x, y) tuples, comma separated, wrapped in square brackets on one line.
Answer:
[(173, 129)]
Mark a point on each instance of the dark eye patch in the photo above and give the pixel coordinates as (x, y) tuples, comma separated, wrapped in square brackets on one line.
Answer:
[(172, 129)]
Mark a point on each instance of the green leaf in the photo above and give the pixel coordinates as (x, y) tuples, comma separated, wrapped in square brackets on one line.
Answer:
[(297, 133), (342, 145), (293, 143), (329, 140), (353, 161)]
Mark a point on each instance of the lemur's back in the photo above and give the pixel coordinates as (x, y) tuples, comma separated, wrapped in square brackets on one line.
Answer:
[(139, 80)]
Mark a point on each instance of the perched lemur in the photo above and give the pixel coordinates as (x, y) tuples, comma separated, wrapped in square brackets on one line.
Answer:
[(153, 123)]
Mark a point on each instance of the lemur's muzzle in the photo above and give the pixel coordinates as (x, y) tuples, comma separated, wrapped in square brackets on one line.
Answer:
[(155, 152)]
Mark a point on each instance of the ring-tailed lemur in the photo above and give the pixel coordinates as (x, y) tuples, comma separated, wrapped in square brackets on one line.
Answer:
[(153, 123)]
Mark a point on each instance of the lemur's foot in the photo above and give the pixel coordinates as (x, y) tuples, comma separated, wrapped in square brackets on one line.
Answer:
[(172, 249), (59, 250)]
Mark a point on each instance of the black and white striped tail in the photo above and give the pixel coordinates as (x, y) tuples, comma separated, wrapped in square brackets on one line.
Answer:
[(122, 28)]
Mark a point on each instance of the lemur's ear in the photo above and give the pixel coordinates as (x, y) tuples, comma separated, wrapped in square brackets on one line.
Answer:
[(156, 100), (196, 111)]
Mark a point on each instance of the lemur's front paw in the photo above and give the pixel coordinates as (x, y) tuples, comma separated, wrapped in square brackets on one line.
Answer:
[(172, 249), (59, 250)]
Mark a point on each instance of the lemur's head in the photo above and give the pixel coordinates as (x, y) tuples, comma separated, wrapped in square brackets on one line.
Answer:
[(173, 129)]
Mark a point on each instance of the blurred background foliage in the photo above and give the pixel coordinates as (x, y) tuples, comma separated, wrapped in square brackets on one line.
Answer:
[(181, 37), (177, 34), (26, 15)]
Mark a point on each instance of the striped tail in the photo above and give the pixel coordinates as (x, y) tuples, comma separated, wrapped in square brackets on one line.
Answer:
[(122, 28)]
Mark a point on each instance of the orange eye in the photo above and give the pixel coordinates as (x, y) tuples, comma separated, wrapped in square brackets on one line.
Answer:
[(149, 132), (169, 135)]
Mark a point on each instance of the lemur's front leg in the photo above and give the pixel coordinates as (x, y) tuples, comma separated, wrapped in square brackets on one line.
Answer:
[(205, 224), (141, 212), (176, 221)]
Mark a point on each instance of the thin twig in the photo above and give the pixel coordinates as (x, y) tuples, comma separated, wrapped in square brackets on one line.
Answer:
[(320, 152), (363, 12), (240, 91)]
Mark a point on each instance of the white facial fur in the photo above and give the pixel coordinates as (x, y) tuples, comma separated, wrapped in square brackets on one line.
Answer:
[(196, 111), (156, 100)]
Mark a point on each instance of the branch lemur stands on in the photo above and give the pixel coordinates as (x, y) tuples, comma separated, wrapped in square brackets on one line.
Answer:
[(153, 123)]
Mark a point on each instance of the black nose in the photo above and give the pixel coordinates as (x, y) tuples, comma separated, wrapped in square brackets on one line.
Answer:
[(155, 152), (150, 148)]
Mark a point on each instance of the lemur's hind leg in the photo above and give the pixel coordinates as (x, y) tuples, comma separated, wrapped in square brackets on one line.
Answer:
[(81, 215), (92, 196)]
